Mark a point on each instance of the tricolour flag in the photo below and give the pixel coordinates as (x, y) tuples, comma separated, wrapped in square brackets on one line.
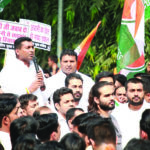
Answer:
[(84, 45), (130, 58), (3, 3)]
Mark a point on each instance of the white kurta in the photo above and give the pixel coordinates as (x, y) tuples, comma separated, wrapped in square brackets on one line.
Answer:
[(64, 128), (129, 121), (57, 81), (15, 77), (5, 140)]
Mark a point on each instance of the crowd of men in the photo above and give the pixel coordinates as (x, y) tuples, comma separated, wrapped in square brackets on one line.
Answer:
[(72, 112)]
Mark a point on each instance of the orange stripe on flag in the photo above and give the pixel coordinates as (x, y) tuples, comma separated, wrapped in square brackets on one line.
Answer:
[(84, 45), (127, 9), (139, 13)]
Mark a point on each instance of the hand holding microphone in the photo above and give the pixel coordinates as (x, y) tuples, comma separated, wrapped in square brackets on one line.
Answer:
[(39, 75)]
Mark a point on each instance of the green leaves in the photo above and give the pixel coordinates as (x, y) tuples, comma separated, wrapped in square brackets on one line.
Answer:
[(79, 18), (147, 40), (70, 14), (94, 12), (3, 3)]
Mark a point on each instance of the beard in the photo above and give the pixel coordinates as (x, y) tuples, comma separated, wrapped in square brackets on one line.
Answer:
[(77, 98), (106, 107), (136, 103)]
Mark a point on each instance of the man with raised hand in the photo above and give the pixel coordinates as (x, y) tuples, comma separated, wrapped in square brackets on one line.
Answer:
[(20, 76)]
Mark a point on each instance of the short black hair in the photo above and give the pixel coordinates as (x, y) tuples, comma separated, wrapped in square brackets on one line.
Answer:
[(121, 78), (72, 76), (73, 141), (141, 74), (71, 112), (26, 142), (101, 131), (103, 75), (145, 122), (146, 81), (137, 144), (50, 145), (60, 92), (54, 58), (8, 102), (1, 147), (83, 117), (48, 123), (68, 52), (25, 98), (17, 43), (133, 80), (20, 126), (82, 127)]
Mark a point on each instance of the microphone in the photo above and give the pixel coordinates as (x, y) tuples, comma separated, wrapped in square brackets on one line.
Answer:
[(35, 64), (42, 88)]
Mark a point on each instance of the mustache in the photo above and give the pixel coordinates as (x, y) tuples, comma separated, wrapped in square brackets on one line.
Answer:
[(78, 93), (68, 67), (112, 101), (136, 97)]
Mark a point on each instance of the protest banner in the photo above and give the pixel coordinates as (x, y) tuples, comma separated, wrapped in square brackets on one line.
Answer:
[(9, 32), (40, 33)]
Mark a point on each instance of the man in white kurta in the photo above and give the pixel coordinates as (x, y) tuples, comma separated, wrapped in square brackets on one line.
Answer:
[(128, 115), (128, 121), (9, 110), (63, 101), (68, 62), (19, 76), (5, 140)]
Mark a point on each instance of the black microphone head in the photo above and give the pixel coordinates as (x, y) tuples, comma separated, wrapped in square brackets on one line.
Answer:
[(34, 58), (35, 64)]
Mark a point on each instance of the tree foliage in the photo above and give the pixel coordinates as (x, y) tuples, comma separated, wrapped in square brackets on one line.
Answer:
[(79, 18)]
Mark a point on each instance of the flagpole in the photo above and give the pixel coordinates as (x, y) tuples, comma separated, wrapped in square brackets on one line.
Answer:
[(60, 30)]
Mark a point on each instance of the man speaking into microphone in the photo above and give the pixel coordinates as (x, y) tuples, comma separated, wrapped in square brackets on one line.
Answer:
[(20, 76)]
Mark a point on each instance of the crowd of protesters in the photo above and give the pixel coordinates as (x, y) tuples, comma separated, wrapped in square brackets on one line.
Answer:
[(71, 112)]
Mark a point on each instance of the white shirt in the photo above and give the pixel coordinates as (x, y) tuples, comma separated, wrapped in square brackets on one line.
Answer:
[(128, 121), (15, 77), (5, 140), (64, 129), (58, 80)]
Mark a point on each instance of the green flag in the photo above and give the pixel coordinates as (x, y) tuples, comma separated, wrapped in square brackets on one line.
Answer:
[(3, 3), (130, 58)]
